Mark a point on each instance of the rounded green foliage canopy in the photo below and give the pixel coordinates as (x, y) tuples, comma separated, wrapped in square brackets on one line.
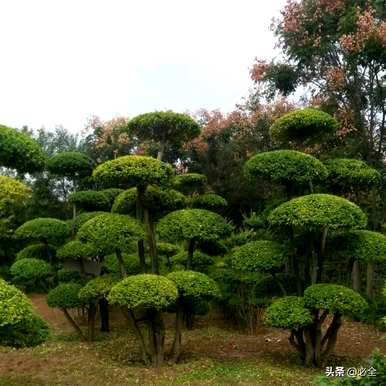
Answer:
[(36, 251), (302, 126), (168, 249), (76, 250), (210, 201), (82, 218), (19, 151), (288, 312), (316, 211), (12, 191), (97, 288), (130, 262), (347, 173), (144, 291), (70, 164), (14, 305), (30, 269), (193, 224), (44, 229), (164, 126), (285, 167), (157, 200), (133, 170), (260, 255), (109, 232), (194, 285), (65, 295), (334, 298), (90, 200), (189, 183)]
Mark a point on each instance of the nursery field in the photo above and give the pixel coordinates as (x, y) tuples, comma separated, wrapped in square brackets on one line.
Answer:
[(213, 355)]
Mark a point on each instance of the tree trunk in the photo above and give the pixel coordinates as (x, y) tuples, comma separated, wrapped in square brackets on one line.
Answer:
[(331, 336), (176, 348), (321, 255), (190, 254), (73, 323), (139, 336), (370, 280), (141, 255), (356, 276), (152, 242), (91, 321), (121, 263), (161, 150), (139, 215), (104, 313)]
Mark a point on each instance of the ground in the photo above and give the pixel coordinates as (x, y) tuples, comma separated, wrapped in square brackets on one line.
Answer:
[(212, 355)]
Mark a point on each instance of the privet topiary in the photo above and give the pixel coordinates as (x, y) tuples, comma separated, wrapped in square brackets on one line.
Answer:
[(303, 126), (97, 288), (76, 250), (209, 201), (70, 164), (82, 218), (19, 151), (285, 167), (111, 264), (37, 251), (90, 200), (30, 271), (305, 318), (152, 293), (189, 183)]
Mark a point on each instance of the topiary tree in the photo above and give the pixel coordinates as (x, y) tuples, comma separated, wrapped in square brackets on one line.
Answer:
[(260, 256), (200, 261), (193, 225), (96, 291), (209, 201), (189, 183), (82, 218), (31, 273), (111, 194), (19, 327), (19, 151), (289, 168), (166, 128), (90, 200), (192, 287), (139, 172), (305, 317), (71, 164), (112, 233), (45, 230), (36, 251), (305, 126), (65, 296), (110, 264), (152, 293), (76, 250), (311, 217), (14, 197)]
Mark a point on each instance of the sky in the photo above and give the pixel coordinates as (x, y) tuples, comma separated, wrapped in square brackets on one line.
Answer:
[(63, 61)]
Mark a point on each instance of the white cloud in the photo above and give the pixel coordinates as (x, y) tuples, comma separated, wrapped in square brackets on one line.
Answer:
[(62, 61)]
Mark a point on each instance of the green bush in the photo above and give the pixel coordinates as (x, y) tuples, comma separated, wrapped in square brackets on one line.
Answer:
[(90, 200), (110, 264), (30, 270), (200, 261), (133, 170), (347, 173), (209, 201), (144, 291), (306, 125), (111, 194), (37, 251), (14, 305), (76, 250), (189, 183), (168, 249), (318, 210), (70, 164), (19, 151), (158, 201), (288, 312), (194, 285), (47, 230), (64, 296), (188, 224), (66, 275), (285, 167), (97, 288), (334, 298), (82, 218), (260, 255), (109, 232), (12, 192), (26, 333)]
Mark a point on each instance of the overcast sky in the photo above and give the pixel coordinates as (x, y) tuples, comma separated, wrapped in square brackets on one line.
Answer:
[(62, 61)]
